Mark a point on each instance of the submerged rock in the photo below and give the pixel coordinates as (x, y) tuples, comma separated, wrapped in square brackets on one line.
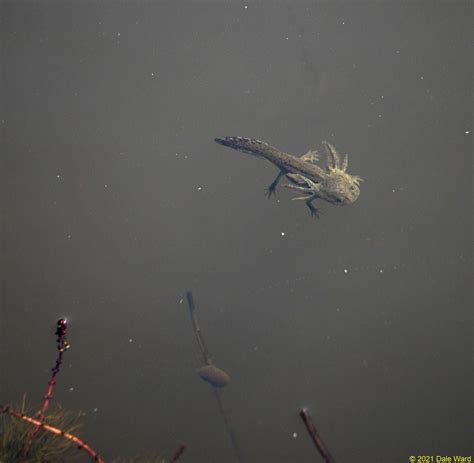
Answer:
[(214, 376)]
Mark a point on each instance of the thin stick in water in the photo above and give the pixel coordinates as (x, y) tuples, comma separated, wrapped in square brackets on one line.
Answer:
[(182, 447), (316, 438)]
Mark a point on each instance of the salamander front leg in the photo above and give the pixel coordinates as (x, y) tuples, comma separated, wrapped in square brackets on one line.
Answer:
[(311, 191), (314, 210), (309, 203), (272, 188)]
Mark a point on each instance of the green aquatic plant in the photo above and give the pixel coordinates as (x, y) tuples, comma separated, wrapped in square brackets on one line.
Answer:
[(46, 447)]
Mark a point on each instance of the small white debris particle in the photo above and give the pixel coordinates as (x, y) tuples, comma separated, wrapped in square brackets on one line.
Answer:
[(245, 6), (346, 270), (421, 77), (95, 410), (105, 186), (295, 435), (58, 176), (282, 233), (71, 389), (69, 237), (118, 34), (199, 188), (130, 340), (467, 132), (181, 301), (381, 270), (380, 115)]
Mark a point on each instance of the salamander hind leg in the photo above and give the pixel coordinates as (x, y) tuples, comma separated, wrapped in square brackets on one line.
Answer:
[(310, 156)]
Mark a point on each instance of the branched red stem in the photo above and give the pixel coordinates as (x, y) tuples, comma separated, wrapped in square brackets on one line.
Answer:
[(59, 432)]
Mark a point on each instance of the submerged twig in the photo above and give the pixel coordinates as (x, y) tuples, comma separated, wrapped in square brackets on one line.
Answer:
[(197, 330), (214, 376), (316, 438), (228, 424)]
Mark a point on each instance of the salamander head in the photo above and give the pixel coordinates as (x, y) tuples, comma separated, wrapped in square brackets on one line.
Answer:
[(341, 188)]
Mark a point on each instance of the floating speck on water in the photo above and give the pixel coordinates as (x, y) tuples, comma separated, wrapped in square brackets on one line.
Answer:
[(295, 435), (346, 270), (282, 233), (130, 340)]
